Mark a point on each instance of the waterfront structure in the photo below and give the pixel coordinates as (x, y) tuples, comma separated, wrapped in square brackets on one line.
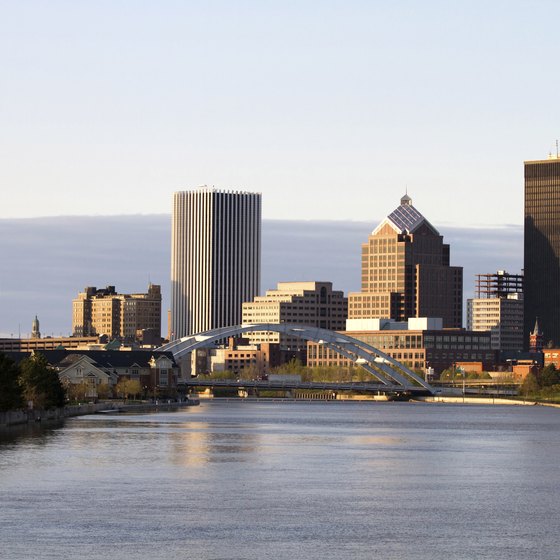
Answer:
[(542, 247), (390, 374), (156, 371), (406, 272), (419, 343), (127, 317), (215, 258), (498, 308), (313, 304)]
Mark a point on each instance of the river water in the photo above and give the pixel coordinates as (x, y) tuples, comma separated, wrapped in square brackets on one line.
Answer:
[(286, 480)]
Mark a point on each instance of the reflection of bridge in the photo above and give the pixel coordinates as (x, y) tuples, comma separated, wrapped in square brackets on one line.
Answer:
[(391, 376)]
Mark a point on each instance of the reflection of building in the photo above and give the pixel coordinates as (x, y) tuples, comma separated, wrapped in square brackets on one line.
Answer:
[(215, 258), (406, 272), (542, 247), (498, 308), (419, 344), (313, 304), (124, 316)]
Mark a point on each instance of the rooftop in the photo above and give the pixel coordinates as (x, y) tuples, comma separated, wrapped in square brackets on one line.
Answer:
[(405, 218)]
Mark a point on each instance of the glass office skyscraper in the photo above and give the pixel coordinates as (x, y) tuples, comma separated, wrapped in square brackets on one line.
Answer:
[(542, 248)]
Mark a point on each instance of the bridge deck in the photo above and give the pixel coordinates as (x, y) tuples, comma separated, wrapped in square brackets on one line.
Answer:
[(292, 385)]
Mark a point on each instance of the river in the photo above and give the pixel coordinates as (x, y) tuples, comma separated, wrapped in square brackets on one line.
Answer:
[(286, 480)]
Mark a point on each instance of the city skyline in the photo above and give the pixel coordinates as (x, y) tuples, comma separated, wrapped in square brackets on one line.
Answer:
[(109, 108), (55, 247)]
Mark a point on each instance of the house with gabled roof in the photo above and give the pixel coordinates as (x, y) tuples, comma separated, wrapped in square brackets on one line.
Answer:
[(156, 371)]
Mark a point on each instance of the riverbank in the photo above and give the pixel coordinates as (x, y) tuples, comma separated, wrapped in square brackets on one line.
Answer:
[(482, 400), (19, 417)]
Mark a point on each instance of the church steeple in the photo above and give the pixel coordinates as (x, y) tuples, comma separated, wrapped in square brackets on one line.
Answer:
[(536, 338), (35, 332)]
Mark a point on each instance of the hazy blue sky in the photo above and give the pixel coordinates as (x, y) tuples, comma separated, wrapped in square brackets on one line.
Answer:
[(329, 108), (49, 260)]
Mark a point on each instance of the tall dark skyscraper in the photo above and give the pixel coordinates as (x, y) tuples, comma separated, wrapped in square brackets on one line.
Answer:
[(542, 248)]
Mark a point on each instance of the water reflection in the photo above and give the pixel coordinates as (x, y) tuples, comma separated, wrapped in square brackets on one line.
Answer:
[(286, 481), (37, 433)]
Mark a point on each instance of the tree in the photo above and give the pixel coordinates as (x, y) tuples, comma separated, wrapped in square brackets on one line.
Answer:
[(11, 396), (77, 391), (294, 366), (128, 388), (249, 373), (40, 383), (549, 376), (104, 390), (529, 386), (134, 387)]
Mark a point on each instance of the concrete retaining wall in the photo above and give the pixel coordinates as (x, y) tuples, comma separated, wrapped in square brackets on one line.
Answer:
[(14, 417), (472, 400)]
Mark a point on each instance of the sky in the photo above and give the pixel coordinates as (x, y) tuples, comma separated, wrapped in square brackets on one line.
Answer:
[(330, 109), (47, 261)]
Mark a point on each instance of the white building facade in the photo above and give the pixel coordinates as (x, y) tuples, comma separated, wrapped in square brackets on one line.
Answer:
[(215, 258), (503, 317)]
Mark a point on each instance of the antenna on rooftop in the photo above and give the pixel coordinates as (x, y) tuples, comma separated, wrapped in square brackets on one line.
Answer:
[(556, 148)]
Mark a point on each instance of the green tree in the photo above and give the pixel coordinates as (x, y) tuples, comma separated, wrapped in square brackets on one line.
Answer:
[(294, 366), (11, 396), (549, 376), (530, 386), (226, 374), (40, 383)]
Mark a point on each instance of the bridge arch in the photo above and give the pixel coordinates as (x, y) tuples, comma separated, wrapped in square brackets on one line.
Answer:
[(381, 366)]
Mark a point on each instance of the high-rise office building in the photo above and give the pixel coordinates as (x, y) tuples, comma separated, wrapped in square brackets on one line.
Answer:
[(215, 258), (542, 248), (406, 272)]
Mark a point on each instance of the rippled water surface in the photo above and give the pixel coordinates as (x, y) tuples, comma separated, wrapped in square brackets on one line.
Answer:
[(253, 480)]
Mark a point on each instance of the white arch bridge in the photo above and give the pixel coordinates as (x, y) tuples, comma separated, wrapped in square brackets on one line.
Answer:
[(391, 375)]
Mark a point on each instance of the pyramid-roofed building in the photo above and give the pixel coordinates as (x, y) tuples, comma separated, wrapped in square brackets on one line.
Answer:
[(406, 272), (405, 218)]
